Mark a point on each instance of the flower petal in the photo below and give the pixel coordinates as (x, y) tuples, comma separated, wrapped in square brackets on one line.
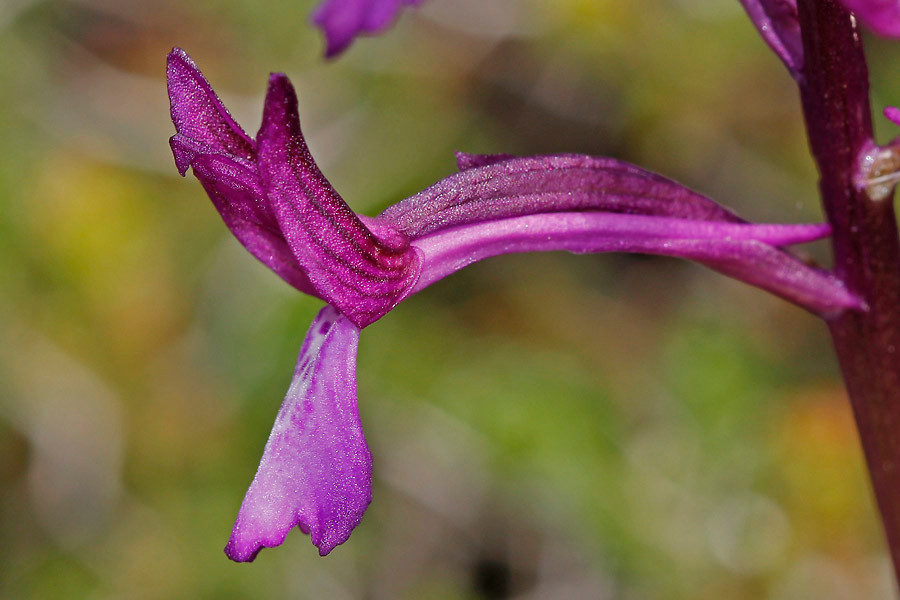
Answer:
[(316, 470), (343, 20), (500, 187), (362, 274), (881, 16), (198, 113), (745, 252), (237, 194), (779, 27), (223, 158)]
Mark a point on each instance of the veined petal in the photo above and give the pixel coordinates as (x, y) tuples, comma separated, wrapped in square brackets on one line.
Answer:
[(237, 194), (497, 187), (881, 16), (316, 469), (779, 27), (343, 20), (362, 274), (745, 252)]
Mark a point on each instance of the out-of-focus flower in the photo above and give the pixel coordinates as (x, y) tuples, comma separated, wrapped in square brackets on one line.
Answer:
[(881, 16), (779, 26), (315, 472), (343, 20)]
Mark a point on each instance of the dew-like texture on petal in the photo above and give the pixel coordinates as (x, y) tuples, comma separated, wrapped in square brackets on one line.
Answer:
[(198, 113), (881, 16), (316, 469), (779, 27), (746, 252), (464, 160), (343, 20), (223, 159), (361, 274), (496, 187)]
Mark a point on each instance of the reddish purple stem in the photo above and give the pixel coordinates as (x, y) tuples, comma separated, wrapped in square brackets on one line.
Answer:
[(835, 95)]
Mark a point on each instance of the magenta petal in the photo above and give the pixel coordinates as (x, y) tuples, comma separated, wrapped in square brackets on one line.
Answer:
[(316, 470), (361, 273), (497, 187), (779, 27), (236, 192), (223, 158), (892, 113), (745, 252), (198, 113), (881, 16), (343, 20)]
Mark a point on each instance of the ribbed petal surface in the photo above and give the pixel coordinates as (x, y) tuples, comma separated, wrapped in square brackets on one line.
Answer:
[(361, 274), (316, 470), (778, 25), (497, 186), (343, 20)]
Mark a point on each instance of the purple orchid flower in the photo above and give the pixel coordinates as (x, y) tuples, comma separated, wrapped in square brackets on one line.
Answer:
[(316, 469), (343, 20)]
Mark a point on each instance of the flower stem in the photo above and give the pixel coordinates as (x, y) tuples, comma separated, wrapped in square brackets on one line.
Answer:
[(835, 95)]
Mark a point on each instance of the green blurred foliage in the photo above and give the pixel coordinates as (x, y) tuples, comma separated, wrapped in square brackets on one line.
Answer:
[(544, 426)]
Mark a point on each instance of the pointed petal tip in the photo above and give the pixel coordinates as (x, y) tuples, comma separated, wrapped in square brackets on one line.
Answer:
[(281, 97), (177, 53)]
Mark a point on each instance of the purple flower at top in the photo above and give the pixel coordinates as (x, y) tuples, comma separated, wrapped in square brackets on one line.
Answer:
[(316, 469), (343, 20), (881, 16), (779, 25)]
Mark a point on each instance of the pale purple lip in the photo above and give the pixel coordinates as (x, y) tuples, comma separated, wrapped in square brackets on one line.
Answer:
[(315, 472)]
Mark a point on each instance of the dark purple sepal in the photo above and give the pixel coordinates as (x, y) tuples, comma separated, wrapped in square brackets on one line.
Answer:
[(316, 469), (197, 112), (496, 187), (779, 27), (362, 274), (237, 194), (342, 21)]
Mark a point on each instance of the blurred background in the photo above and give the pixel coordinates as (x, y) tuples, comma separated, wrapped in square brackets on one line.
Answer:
[(543, 426)]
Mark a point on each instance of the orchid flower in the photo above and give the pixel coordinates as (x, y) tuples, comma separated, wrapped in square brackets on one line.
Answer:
[(343, 20), (779, 25), (316, 469)]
